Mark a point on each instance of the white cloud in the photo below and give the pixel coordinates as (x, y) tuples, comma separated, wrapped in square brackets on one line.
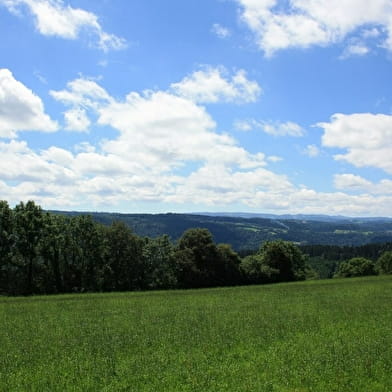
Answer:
[(357, 49), (366, 137), (274, 158), (56, 178), (220, 31), (54, 18), (243, 125), (58, 155), (352, 182), (282, 129), (19, 163), (212, 85), (83, 96), (20, 108), (309, 201), (274, 128), (76, 120), (306, 23), (167, 150), (82, 92), (371, 33), (218, 185), (163, 131), (312, 151)]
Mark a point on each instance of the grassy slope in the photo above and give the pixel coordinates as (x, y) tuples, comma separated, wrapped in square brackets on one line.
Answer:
[(313, 336)]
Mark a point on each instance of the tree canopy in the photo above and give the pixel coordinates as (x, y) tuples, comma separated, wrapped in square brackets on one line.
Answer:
[(357, 266), (45, 253)]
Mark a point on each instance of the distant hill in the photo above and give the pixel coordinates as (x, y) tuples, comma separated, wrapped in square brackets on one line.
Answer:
[(320, 218), (246, 232)]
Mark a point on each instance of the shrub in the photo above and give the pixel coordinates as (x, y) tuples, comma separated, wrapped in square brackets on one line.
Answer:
[(357, 266), (384, 263)]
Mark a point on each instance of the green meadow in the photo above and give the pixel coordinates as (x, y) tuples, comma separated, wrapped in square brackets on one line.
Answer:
[(333, 335)]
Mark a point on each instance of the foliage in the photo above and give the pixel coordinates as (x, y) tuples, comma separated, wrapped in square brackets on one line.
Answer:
[(285, 257), (357, 266), (28, 230), (276, 261), (47, 253), (201, 263), (159, 263), (384, 263), (6, 245), (122, 258), (247, 233), (256, 271), (325, 259)]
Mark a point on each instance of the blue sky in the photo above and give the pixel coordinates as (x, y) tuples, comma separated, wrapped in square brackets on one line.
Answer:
[(198, 105)]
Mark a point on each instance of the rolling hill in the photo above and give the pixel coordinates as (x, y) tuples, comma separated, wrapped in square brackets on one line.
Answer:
[(247, 231)]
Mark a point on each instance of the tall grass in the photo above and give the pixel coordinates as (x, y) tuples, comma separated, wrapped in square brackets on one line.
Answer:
[(311, 336)]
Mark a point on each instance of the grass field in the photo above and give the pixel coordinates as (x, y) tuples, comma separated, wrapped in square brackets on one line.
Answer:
[(330, 336)]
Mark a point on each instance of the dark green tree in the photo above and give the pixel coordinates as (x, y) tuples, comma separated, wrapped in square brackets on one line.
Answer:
[(197, 259), (357, 266), (6, 245), (228, 266), (85, 242), (159, 263), (29, 225), (201, 263), (286, 258), (384, 263), (123, 258), (255, 271), (54, 251)]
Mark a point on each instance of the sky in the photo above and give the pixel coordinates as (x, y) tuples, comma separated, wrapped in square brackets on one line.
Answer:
[(149, 106)]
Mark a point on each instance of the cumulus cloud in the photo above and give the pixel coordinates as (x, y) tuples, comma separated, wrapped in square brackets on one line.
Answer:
[(82, 92), (54, 18), (159, 133), (56, 178), (306, 23), (20, 108), (366, 137), (164, 130), (19, 163), (76, 120), (167, 150), (352, 182), (83, 96), (212, 85)]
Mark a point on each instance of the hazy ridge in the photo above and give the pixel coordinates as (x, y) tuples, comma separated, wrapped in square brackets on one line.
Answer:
[(246, 231)]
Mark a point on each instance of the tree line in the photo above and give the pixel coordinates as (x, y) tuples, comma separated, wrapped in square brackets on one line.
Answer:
[(327, 259), (48, 253)]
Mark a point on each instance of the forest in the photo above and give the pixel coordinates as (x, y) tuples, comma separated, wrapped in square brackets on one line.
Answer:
[(46, 253), (246, 232)]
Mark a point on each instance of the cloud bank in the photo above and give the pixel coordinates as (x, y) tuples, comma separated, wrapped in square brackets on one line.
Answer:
[(307, 23), (168, 149)]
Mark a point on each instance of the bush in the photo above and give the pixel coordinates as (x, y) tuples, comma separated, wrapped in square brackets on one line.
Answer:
[(384, 263), (357, 266), (276, 261)]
